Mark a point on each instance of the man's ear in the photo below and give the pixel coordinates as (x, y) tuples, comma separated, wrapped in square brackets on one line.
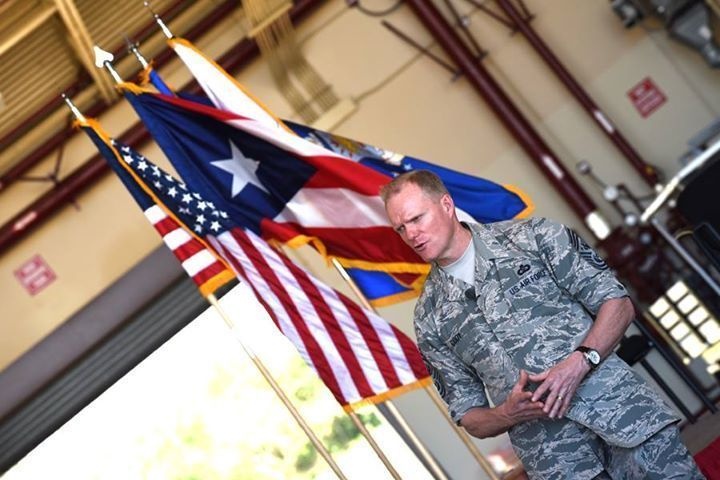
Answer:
[(447, 203)]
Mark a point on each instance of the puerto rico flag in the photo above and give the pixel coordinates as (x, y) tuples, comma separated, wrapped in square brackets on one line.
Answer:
[(477, 199), (278, 185)]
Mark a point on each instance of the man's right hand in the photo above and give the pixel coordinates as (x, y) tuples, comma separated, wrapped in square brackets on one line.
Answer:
[(518, 406)]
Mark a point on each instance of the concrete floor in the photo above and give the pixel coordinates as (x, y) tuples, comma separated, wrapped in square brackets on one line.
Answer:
[(699, 435)]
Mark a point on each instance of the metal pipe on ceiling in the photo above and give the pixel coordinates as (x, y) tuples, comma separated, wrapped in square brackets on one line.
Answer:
[(508, 113), (646, 171), (84, 80), (92, 170)]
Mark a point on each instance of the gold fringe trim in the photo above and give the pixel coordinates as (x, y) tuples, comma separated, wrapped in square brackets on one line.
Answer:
[(529, 204), (144, 76), (134, 88), (395, 298), (211, 285), (95, 125), (389, 395)]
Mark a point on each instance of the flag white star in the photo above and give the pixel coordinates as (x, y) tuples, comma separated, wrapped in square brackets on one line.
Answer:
[(200, 219), (128, 159), (201, 205), (187, 198), (243, 170), (214, 226), (172, 192), (142, 166)]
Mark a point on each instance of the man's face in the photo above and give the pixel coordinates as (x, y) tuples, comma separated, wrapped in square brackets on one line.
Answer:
[(424, 223)]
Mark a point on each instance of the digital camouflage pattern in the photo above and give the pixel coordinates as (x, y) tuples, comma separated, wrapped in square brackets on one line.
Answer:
[(538, 286)]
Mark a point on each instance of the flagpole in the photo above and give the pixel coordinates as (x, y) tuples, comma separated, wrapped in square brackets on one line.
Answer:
[(365, 432), (464, 436), (278, 391), (368, 436), (424, 453)]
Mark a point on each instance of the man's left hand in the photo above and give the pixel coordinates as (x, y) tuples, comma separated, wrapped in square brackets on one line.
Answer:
[(560, 383)]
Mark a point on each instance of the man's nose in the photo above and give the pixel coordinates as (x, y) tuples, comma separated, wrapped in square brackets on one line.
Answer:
[(411, 232)]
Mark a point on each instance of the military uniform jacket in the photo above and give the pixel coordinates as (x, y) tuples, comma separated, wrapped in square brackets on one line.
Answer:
[(538, 287)]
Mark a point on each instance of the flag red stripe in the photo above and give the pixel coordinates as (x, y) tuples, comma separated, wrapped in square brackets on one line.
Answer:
[(166, 225), (207, 273), (244, 277), (372, 241), (322, 366), (333, 172), (413, 355), (333, 328), (187, 250), (375, 345)]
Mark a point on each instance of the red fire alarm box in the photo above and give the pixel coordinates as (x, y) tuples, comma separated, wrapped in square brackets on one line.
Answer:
[(35, 275)]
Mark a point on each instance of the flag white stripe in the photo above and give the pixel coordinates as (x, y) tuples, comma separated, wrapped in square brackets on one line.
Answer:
[(177, 238), (319, 207), (311, 318), (198, 262), (283, 139), (394, 349), (220, 89), (155, 214), (360, 348), (225, 242)]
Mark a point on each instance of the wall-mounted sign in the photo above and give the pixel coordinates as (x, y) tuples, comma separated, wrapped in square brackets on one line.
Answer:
[(647, 97), (35, 274)]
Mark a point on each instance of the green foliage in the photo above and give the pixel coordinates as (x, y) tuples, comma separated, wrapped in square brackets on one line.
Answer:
[(370, 419), (342, 432), (306, 459)]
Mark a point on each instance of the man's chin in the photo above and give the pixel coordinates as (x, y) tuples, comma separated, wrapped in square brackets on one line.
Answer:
[(425, 257)]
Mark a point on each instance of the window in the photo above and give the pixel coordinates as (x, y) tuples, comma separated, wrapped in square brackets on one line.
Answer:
[(197, 408)]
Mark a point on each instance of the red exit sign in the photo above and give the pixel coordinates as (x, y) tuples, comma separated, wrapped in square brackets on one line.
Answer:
[(35, 274), (647, 97)]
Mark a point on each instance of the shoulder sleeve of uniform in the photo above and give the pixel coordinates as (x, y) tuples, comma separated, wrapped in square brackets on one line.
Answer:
[(457, 384), (577, 268)]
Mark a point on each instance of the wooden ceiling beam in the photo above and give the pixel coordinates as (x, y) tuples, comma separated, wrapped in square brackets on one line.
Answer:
[(83, 44), (27, 28)]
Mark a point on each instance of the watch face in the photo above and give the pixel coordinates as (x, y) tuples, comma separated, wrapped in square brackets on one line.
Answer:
[(594, 357)]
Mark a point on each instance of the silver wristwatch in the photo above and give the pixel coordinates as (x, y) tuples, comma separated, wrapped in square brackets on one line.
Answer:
[(591, 355)]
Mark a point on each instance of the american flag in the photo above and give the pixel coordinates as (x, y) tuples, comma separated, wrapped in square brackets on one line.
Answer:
[(206, 269), (358, 355)]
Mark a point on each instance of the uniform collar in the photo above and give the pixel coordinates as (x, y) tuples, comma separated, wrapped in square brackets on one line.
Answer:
[(486, 242), (487, 249)]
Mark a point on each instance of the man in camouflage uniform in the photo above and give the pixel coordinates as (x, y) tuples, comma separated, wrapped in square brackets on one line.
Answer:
[(503, 310)]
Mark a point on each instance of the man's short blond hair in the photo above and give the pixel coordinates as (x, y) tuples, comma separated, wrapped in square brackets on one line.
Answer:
[(428, 182)]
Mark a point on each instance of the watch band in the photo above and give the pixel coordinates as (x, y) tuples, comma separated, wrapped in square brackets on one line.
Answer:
[(592, 356)]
